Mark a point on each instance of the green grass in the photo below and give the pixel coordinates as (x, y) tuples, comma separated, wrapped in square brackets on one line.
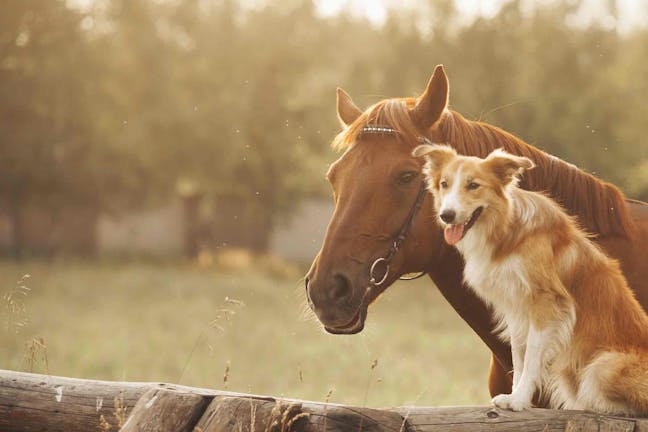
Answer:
[(147, 322)]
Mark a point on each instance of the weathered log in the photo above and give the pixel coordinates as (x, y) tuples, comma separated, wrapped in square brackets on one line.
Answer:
[(479, 418), (164, 410), (33, 402), (248, 414)]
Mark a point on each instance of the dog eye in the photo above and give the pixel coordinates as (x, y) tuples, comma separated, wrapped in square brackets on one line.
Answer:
[(473, 186), (443, 184), (407, 177)]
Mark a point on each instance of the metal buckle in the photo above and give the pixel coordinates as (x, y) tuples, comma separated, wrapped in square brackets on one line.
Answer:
[(372, 278)]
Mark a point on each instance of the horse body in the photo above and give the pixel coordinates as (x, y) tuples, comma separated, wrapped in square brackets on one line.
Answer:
[(374, 188)]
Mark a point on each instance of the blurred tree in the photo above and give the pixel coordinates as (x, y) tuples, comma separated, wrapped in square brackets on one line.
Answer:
[(115, 106), (52, 156)]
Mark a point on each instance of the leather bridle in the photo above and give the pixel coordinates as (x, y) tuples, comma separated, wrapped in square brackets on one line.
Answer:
[(398, 242), (386, 260)]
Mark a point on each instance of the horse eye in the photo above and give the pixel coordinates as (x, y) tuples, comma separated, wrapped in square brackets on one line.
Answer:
[(443, 184), (407, 177), (473, 186)]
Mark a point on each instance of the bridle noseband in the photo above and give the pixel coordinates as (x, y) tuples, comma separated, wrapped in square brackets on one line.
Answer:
[(374, 281)]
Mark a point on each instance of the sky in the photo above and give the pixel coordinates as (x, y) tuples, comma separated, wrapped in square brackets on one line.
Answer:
[(632, 13), (376, 10)]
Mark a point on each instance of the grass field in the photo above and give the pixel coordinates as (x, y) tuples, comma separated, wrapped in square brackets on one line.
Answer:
[(180, 323)]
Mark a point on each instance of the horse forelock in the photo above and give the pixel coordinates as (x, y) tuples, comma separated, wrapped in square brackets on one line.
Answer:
[(393, 113)]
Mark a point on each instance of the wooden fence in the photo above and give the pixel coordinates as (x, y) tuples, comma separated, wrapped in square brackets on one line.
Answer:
[(34, 402)]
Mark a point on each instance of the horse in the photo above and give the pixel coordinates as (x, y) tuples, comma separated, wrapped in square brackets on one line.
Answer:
[(383, 225)]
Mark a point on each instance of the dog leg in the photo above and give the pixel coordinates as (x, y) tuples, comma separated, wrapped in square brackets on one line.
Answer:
[(531, 377), (518, 347)]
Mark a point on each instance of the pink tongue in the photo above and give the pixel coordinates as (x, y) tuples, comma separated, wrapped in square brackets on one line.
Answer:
[(453, 233)]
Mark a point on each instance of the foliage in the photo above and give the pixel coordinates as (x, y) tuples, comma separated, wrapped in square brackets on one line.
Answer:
[(118, 104)]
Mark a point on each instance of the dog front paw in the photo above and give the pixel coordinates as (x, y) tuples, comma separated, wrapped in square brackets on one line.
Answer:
[(510, 401)]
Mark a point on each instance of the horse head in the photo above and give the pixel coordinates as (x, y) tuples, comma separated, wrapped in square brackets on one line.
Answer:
[(376, 184)]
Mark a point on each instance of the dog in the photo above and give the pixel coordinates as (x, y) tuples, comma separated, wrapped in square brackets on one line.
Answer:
[(577, 333)]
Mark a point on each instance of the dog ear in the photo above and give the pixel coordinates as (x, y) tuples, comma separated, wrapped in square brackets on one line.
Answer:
[(437, 155), (507, 167)]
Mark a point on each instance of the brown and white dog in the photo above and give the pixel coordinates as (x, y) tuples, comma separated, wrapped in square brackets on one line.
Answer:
[(577, 333)]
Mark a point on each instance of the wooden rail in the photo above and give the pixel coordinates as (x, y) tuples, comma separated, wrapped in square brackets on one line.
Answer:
[(34, 402)]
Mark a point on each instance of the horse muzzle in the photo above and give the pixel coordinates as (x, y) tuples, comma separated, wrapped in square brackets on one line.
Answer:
[(336, 304), (356, 325)]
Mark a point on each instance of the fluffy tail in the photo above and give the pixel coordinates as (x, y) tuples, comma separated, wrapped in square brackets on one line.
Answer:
[(616, 383)]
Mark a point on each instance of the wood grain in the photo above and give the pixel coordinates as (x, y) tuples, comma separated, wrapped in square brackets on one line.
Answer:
[(34, 402), (164, 410)]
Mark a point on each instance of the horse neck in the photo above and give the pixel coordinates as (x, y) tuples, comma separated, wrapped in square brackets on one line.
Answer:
[(599, 206)]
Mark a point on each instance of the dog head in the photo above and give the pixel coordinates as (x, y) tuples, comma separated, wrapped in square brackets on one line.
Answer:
[(465, 187)]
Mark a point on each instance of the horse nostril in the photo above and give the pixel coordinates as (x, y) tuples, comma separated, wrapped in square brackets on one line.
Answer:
[(340, 289), (448, 216)]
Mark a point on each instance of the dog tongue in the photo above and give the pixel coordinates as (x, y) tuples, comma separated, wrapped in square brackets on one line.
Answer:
[(453, 233)]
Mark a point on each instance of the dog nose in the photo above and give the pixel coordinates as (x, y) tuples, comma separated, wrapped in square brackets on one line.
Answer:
[(448, 216)]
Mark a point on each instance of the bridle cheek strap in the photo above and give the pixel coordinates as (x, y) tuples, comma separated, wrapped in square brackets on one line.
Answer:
[(385, 261), (398, 242)]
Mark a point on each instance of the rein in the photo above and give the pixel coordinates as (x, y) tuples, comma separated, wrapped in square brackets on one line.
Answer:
[(374, 281)]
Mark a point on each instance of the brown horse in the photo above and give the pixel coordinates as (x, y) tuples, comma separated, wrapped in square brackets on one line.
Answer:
[(376, 183)]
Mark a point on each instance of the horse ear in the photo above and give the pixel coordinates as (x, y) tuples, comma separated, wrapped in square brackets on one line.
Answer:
[(347, 111), (506, 166), (433, 101), (437, 155)]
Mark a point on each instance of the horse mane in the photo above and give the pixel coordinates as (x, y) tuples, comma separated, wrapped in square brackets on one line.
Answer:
[(599, 206)]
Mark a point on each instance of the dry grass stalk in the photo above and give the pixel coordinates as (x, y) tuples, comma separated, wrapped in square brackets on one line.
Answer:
[(294, 419), (224, 314), (104, 425), (253, 410), (36, 352), (291, 415), (403, 427), (14, 304), (326, 401), (226, 375), (275, 414), (404, 423), (283, 416), (372, 366), (121, 410)]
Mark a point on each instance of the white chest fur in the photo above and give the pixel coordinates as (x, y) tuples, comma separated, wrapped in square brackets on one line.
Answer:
[(503, 285)]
